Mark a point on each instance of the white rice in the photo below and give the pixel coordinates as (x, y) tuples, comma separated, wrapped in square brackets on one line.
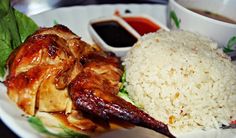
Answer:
[(182, 79)]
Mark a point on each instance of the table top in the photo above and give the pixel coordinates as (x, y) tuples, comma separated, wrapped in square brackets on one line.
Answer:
[(31, 7), (5, 132)]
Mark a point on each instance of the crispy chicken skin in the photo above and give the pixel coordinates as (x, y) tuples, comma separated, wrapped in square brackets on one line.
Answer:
[(41, 68), (54, 71), (94, 91)]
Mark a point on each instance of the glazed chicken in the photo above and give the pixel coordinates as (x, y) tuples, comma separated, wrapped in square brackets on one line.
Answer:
[(55, 71), (94, 92), (42, 67)]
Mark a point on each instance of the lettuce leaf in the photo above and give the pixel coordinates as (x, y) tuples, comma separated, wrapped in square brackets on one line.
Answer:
[(65, 133), (15, 27), (123, 93), (26, 26)]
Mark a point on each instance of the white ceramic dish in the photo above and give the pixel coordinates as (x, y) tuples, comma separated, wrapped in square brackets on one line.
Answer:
[(154, 20), (217, 30), (77, 19), (120, 51)]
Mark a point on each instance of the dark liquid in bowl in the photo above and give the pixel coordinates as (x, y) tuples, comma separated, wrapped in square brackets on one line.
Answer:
[(114, 34), (213, 16)]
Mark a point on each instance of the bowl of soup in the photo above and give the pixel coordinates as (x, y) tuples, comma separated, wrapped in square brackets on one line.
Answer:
[(215, 19)]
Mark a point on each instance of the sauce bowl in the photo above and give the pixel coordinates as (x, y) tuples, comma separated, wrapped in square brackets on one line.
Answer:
[(116, 23), (181, 17), (143, 24), (130, 23)]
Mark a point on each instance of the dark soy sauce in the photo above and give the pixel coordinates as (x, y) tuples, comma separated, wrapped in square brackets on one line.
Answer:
[(114, 34)]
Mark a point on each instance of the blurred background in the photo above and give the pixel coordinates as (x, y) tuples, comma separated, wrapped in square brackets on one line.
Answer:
[(31, 7)]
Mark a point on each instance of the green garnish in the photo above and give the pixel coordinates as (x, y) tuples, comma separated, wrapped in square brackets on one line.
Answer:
[(37, 124), (230, 44), (55, 22), (123, 81), (15, 27), (174, 17), (125, 96), (123, 93)]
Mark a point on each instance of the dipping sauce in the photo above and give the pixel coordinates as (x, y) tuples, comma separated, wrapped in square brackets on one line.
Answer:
[(114, 34), (142, 25), (214, 16)]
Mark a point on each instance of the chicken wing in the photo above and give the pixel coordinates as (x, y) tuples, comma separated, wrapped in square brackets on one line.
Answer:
[(94, 92)]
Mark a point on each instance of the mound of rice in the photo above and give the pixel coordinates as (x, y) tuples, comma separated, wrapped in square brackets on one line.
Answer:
[(183, 80)]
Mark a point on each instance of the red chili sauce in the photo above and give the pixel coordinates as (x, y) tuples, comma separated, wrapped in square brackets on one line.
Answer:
[(142, 25)]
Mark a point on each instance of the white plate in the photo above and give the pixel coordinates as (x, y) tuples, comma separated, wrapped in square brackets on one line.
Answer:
[(77, 18)]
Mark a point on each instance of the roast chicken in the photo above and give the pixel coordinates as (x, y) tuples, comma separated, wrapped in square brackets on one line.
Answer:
[(55, 71)]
